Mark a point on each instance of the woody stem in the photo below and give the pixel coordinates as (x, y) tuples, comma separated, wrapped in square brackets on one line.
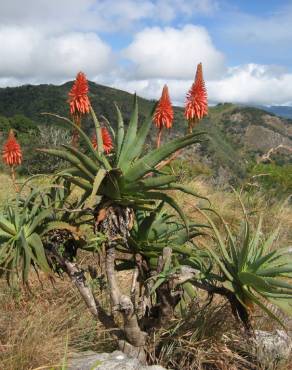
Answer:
[(190, 128), (75, 138), (159, 137), (75, 133), (13, 177)]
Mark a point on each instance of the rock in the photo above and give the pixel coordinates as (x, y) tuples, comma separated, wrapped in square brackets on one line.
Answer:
[(116, 360), (272, 347), (237, 117), (270, 138)]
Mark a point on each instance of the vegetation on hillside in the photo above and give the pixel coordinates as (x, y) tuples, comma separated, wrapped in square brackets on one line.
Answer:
[(154, 261), (52, 316), (233, 147)]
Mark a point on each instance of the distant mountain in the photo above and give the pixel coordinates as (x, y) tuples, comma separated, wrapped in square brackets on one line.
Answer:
[(282, 111), (31, 100), (238, 135)]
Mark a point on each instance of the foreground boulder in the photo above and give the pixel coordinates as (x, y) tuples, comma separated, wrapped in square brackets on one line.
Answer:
[(272, 347), (116, 360)]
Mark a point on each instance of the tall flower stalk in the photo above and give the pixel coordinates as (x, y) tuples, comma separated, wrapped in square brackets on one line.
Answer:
[(12, 155), (196, 106), (79, 103), (163, 115)]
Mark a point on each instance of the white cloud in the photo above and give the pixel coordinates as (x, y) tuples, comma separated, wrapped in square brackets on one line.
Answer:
[(174, 53), (72, 52), (50, 41), (98, 15), (17, 46), (26, 53), (247, 84), (152, 88), (253, 84)]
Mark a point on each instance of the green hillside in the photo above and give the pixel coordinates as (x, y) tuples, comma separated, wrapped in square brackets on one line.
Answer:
[(237, 135)]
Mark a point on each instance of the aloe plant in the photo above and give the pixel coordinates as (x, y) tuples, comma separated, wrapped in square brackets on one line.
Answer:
[(41, 224), (116, 185), (153, 235), (21, 246), (63, 234), (253, 272), (128, 177), (122, 200), (156, 230)]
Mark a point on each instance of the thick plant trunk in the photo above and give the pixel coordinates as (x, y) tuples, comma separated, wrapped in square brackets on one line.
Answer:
[(115, 222), (239, 311), (122, 303), (167, 294), (165, 302)]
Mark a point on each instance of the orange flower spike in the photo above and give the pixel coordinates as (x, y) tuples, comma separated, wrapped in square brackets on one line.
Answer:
[(196, 101), (79, 103), (78, 96), (163, 115), (12, 154), (106, 139)]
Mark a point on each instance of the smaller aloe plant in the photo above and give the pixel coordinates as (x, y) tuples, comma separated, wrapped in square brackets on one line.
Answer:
[(252, 271), (41, 226), (166, 258), (156, 230), (21, 246)]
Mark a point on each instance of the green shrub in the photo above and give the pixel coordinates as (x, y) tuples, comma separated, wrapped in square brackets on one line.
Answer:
[(274, 178)]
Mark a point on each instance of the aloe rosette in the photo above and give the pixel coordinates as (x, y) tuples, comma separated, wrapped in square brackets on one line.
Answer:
[(128, 177)]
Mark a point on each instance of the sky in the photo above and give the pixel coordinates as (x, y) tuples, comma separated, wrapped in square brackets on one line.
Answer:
[(140, 45)]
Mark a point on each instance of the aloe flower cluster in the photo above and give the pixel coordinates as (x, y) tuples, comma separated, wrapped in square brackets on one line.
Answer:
[(80, 106), (196, 106), (163, 116), (12, 154), (78, 98), (196, 102)]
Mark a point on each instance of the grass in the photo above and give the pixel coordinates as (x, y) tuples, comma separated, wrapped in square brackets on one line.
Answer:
[(206, 340), (34, 329), (275, 213), (5, 184)]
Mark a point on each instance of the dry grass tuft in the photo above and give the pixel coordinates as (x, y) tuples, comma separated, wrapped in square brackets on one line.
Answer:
[(6, 183), (208, 339), (35, 330), (275, 213)]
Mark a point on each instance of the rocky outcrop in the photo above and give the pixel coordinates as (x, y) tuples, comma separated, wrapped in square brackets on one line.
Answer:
[(272, 347), (106, 361), (263, 139)]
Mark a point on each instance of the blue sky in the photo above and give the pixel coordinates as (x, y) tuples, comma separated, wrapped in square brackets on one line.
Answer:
[(139, 45)]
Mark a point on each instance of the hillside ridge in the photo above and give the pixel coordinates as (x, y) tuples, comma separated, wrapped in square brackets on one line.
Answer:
[(238, 135)]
